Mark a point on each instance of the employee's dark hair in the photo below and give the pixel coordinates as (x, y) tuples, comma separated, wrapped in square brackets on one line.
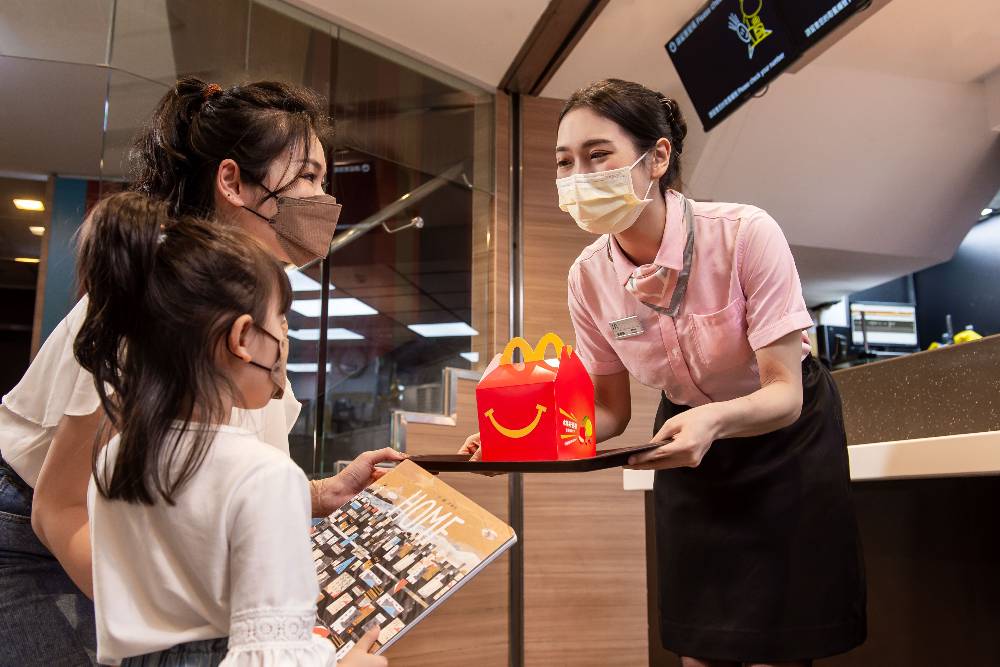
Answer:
[(198, 125), (163, 294), (644, 114)]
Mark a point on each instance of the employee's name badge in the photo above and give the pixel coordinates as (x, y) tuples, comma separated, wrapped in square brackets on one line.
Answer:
[(627, 327)]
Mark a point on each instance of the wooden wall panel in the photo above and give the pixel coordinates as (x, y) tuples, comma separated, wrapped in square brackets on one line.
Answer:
[(471, 627), (584, 537)]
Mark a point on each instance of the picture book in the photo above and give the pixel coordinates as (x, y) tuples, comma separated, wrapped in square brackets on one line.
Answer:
[(396, 551)]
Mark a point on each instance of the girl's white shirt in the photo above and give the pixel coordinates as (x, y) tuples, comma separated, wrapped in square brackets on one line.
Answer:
[(232, 557)]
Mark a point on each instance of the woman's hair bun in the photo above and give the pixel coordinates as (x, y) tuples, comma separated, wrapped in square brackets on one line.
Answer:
[(676, 122)]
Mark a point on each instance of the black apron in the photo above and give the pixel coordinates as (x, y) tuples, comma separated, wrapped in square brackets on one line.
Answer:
[(758, 551)]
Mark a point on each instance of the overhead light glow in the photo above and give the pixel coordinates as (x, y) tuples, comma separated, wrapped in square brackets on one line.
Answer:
[(305, 368), (303, 283), (471, 357), (331, 334), (37, 231), (345, 307), (443, 329), (29, 205), (27, 260)]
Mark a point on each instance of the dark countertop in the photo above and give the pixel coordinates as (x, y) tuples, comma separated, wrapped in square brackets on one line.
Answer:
[(950, 390)]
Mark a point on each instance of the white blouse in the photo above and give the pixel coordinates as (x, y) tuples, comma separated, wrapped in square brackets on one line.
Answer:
[(56, 385), (231, 557)]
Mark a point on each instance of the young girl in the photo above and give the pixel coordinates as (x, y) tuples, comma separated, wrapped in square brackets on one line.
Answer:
[(199, 529)]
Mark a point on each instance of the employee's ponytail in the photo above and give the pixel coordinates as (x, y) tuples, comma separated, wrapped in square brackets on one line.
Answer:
[(163, 293), (644, 114)]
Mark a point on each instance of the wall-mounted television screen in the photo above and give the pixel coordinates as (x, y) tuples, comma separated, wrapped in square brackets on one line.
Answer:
[(730, 49), (808, 21)]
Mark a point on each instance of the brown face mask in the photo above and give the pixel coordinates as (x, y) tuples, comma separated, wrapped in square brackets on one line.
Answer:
[(304, 225)]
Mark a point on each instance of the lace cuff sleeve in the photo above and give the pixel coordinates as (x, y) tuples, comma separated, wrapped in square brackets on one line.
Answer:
[(277, 638)]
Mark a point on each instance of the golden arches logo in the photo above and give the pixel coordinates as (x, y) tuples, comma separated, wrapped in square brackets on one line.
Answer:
[(536, 353), (519, 432)]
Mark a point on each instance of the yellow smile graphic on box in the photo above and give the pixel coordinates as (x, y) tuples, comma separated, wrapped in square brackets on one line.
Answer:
[(520, 432)]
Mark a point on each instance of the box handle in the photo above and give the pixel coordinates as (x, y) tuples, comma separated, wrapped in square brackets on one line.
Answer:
[(536, 353)]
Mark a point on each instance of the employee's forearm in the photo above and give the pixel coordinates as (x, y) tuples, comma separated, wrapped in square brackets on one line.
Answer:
[(66, 533), (768, 409), (608, 425)]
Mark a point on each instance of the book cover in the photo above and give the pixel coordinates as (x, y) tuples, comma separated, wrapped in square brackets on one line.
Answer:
[(396, 551)]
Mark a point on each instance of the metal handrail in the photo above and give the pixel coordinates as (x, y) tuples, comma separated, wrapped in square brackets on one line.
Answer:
[(415, 195)]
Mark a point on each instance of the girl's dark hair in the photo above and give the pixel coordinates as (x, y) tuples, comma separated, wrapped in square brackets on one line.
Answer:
[(163, 295), (197, 125), (645, 114)]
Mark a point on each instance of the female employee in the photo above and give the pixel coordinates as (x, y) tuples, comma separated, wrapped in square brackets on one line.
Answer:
[(758, 554), (251, 156)]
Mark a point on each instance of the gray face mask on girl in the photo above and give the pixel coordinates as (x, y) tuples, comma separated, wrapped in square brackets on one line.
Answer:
[(278, 369)]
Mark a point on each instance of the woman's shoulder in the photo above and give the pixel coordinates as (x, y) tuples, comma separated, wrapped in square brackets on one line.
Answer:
[(588, 261), (728, 212), (733, 225), (54, 383)]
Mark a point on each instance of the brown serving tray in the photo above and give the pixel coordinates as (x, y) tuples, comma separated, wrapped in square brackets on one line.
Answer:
[(608, 458)]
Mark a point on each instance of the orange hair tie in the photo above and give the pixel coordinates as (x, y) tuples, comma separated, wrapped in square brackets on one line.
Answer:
[(211, 90)]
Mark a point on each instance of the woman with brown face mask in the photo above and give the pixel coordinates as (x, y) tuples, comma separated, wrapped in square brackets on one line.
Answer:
[(251, 156)]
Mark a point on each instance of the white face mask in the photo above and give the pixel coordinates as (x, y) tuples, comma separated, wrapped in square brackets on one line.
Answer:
[(603, 202)]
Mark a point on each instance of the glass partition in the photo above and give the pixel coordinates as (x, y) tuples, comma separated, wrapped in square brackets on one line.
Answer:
[(401, 306), (71, 31), (164, 40), (411, 164)]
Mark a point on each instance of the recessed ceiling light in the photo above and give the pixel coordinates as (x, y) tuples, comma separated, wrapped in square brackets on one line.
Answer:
[(331, 334), (27, 260), (986, 211), (37, 231), (443, 329), (29, 205), (345, 307), (303, 283)]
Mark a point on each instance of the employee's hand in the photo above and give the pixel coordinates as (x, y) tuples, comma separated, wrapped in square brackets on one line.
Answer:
[(331, 492), (472, 446), (360, 655), (686, 439)]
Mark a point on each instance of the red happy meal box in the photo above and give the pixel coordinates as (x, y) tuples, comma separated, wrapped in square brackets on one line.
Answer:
[(537, 410)]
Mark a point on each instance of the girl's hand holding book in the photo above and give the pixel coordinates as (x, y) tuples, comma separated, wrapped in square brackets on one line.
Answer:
[(360, 655), (330, 493)]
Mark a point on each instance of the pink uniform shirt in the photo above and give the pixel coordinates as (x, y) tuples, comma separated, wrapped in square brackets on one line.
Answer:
[(743, 294)]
